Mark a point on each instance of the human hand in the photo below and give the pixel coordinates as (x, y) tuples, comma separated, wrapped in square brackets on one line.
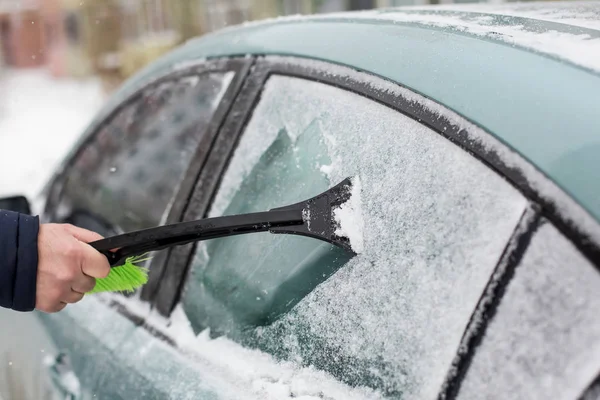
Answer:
[(67, 266)]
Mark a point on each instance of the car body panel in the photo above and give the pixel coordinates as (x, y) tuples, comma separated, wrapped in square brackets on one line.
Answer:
[(542, 107), (25, 346), (91, 330)]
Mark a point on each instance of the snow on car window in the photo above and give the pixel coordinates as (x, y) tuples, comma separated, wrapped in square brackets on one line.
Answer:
[(436, 221), (226, 368), (544, 341), (130, 171)]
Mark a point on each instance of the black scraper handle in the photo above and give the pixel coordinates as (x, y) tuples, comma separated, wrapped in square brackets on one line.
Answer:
[(153, 239), (312, 218)]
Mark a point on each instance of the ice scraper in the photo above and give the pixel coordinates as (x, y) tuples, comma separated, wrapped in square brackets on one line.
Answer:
[(313, 218)]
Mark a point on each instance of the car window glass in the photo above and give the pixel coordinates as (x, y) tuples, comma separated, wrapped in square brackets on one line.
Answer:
[(544, 341), (127, 176), (436, 222)]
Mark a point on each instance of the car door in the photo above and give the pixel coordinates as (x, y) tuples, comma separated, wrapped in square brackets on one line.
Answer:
[(444, 224), (130, 173)]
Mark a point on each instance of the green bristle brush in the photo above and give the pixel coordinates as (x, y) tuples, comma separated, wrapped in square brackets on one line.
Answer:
[(124, 278), (313, 218)]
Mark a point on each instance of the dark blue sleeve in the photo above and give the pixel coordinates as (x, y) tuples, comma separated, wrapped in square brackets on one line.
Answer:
[(18, 260)]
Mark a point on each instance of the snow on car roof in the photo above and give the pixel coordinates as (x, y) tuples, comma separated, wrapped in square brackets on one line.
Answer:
[(584, 14), (569, 31), (569, 42), (559, 34)]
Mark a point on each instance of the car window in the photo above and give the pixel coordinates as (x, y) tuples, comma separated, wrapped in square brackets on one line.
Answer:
[(544, 341), (435, 222), (127, 176)]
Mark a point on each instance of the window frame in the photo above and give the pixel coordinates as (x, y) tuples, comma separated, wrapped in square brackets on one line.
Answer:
[(241, 67)]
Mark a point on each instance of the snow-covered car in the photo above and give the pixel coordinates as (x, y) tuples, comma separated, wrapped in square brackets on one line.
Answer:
[(473, 136)]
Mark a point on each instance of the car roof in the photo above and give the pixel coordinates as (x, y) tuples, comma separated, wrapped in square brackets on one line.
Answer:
[(533, 83), (584, 14)]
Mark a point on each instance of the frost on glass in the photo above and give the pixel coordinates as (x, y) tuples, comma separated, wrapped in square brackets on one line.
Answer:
[(570, 211), (252, 279), (130, 172), (544, 342), (220, 369), (435, 224)]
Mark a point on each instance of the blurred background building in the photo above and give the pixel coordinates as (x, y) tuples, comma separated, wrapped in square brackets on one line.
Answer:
[(112, 39)]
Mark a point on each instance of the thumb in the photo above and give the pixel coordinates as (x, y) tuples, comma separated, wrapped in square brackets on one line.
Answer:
[(83, 235)]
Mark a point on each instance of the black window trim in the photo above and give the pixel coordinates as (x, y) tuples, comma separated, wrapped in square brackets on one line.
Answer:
[(168, 293), (490, 299), (241, 67)]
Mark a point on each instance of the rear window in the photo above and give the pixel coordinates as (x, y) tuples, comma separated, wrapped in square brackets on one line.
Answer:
[(126, 177), (436, 222), (544, 342)]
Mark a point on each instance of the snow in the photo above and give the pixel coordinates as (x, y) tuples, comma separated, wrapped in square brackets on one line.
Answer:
[(544, 341), (438, 221), (582, 49), (225, 81), (255, 145), (350, 220), (40, 119), (477, 319), (578, 44), (326, 169), (134, 305), (251, 371), (188, 64), (306, 217), (269, 378), (71, 383), (68, 380), (584, 14)]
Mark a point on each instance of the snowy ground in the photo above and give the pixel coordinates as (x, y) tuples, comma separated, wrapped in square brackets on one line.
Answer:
[(40, 118)]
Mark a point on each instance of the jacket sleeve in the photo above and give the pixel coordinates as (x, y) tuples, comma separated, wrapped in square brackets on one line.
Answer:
[(18, 260)]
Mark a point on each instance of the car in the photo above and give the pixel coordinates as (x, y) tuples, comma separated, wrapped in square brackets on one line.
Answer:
[(471, 134)]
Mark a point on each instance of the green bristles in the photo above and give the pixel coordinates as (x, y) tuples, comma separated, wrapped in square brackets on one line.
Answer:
[(124, 278)]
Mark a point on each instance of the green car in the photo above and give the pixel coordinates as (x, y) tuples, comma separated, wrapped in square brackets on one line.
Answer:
[(472, 134)]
